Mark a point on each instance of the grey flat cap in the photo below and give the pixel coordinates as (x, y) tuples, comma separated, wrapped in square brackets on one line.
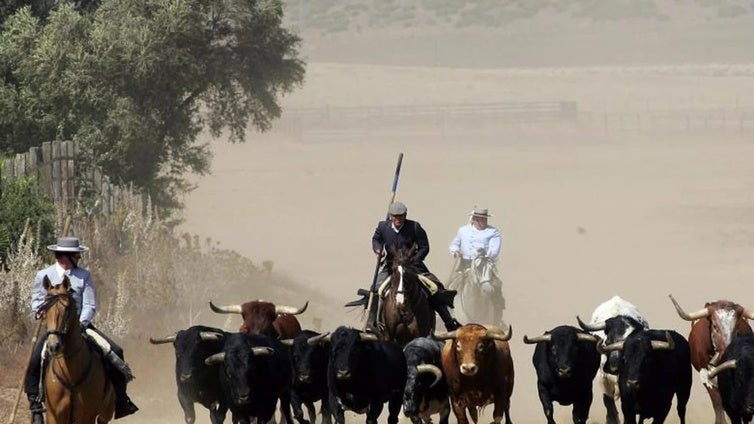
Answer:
[(68, 244), (397, 208)]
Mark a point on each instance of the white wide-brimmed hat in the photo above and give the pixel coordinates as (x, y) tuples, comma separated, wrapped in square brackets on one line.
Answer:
[(68, 244), (480, 212)]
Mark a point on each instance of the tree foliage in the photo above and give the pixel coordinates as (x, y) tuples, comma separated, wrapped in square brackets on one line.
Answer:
[(136, 81), (21, 201)]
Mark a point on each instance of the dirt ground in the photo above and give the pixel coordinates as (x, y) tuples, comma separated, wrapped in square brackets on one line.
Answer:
[(586, 212)]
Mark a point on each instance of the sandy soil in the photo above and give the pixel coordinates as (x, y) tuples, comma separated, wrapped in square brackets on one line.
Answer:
[(586, 214)]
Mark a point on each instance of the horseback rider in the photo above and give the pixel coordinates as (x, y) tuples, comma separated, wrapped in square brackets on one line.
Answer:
[(478, 238), (401, 233), (67, 253)]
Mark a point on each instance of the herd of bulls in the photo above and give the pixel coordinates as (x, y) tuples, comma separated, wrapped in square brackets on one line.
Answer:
[(271, 360)]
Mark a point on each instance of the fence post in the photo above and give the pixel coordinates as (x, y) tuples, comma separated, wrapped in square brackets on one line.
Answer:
[(56, 172)]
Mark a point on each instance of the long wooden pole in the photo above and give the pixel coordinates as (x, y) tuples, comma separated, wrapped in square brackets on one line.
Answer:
[(34, 338), (393, 190)]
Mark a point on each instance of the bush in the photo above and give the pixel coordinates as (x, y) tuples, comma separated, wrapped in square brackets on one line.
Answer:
[(21, 201)]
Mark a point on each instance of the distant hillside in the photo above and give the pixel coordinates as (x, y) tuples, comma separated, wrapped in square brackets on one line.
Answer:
[(524, 33), (334, 16)]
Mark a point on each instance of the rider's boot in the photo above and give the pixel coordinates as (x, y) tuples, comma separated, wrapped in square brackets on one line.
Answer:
[(371, 325), (123, 404), (36, 408), (438, 301)]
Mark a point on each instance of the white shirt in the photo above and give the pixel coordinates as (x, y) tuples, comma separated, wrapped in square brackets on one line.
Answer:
[(469, 240)]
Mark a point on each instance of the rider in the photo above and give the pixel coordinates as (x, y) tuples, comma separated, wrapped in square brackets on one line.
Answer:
[(67, 253), (477, 238), (397, 233)]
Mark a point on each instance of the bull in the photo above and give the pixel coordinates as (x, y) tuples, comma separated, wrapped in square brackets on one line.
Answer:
[(735, 379), (566, 362), (196, 381), (477, 364), (260, 317), (426, 391), (630, 320), (310, 360), (655, 366), (712, 330), (255, 372), (364, 373)]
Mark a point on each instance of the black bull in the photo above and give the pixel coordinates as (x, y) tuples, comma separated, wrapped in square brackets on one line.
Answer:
[(364, 373), (566, 362), (310, 359), (255, 374), (196, 381), (735, 379)]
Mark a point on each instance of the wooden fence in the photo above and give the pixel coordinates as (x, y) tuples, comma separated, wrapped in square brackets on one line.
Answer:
[(55, 166)]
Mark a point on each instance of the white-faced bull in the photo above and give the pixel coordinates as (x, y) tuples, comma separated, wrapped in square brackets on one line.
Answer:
[(630, 320), (735, 379), (196, 381), (255, 372), (310, 358), (260, 317), (477, 364), (566, 362), (364, 373), (712, 330), (426, 391), (654, 367)]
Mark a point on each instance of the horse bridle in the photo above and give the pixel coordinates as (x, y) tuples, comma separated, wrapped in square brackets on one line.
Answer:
[(48, 303)]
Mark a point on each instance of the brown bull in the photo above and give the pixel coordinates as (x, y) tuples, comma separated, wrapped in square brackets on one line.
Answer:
[(260, 317), (478, 368), (712, 329)]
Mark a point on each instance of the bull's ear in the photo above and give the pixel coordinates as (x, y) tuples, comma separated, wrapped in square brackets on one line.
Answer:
[(46, 283)]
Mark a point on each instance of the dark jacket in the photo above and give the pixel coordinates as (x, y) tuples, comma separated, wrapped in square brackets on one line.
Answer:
[(410, 234)]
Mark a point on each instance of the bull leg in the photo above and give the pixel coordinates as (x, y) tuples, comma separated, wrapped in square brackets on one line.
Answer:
[(326, 409), (546, 401), (629, 413), (189, 414), (394, 408), (217, 414), (502, 408), (717, 404), (459, 410), (373, 412), (581, 408), (336, 409), (474, 414), (311, 411), (445, 412), (285, 408), (298, 413)]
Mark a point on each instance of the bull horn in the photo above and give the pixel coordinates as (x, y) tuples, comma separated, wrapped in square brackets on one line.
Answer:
[(590, 327), (215, 359), (230, 309), (287, 342), (290, 310), (262, 351), (168, 339), (444, 336), (688, 317), (667, 344), (430, 369), (584, 337), (324, 337), (612, 347), (500, 337), (210, 335), (748, 314), (729, 364), (368, 337), (538, 339)]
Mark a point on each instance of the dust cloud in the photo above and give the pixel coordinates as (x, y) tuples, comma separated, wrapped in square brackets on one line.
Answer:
[(647, 192)]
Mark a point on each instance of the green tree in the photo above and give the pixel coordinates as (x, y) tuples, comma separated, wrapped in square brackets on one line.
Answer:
[(20, 201), (135, 81)]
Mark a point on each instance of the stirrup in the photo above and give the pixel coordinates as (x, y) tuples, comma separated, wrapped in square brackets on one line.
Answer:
[(360, 302)]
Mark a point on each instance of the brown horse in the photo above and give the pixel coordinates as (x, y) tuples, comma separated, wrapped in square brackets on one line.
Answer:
[(76, 387), (406, 312)]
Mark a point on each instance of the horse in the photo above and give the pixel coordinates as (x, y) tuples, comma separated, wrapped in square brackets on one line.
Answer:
[(76, 386), (406, 312), (474, 302)]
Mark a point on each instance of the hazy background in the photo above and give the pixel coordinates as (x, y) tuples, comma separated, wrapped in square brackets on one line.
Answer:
[(649, 191)]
